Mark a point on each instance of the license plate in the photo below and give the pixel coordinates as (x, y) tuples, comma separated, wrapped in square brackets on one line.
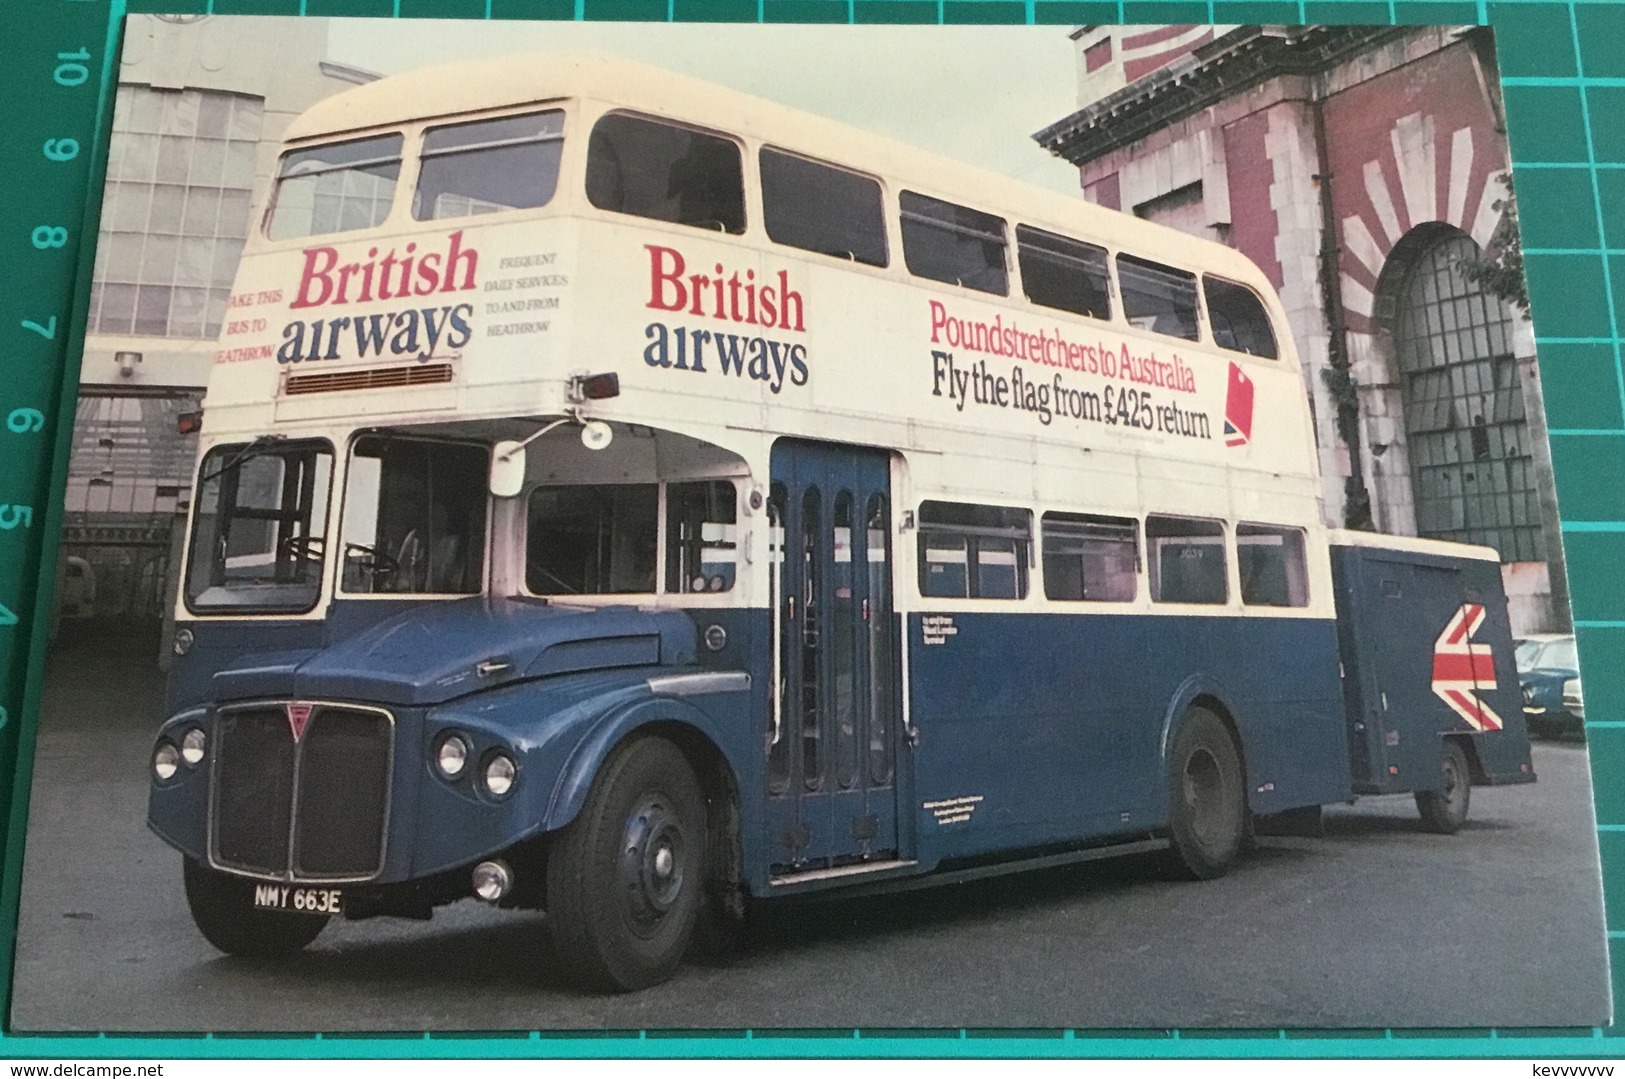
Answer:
[(298, 900)]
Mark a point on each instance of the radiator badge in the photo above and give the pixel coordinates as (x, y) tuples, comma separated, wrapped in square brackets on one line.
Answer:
[(298, 718)]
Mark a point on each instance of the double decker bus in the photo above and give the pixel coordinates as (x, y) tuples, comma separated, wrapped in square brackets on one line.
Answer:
[(621, 496)]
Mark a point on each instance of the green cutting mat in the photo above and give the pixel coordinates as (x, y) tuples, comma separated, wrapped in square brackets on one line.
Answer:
[(1563, 68)]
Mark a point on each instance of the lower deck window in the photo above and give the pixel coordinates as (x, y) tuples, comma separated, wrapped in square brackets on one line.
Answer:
[(973, 552), (1272, 566), (414, 517), (604, 539), (259, 532), (598, 540), (1186, 556), (700, 536), (1090, 557)]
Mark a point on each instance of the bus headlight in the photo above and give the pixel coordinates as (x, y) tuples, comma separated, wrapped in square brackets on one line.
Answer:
[(193, 743), (451, 756), (166, 760), (500, 772)]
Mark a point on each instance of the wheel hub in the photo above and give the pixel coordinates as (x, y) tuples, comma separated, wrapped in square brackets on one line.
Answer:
[(1203, 797), (651, 863)]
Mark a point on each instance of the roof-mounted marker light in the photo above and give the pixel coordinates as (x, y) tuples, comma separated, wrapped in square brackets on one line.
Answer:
[(597, 387)]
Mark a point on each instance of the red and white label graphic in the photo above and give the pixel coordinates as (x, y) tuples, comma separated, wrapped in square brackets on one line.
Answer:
[(1238, 408), (1462, 668)]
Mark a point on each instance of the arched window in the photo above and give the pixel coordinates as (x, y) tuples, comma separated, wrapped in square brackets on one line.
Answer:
[(1473, 475)]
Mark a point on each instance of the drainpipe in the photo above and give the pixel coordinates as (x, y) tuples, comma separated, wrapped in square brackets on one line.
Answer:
[(1338, 377)]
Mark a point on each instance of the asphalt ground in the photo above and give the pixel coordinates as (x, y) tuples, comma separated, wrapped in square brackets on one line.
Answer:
[(1376, 925)]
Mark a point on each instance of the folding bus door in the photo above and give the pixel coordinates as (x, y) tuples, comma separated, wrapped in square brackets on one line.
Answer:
[(832, 751)]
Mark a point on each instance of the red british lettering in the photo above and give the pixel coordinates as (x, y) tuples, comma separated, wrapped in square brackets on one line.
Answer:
[(666, 268), (317, 274)]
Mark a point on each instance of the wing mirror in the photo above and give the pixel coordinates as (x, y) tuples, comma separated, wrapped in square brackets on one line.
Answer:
[(508, 456), (507, 468)]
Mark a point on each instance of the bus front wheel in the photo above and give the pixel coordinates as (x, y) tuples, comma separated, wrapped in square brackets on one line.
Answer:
[(1445, 810), (223, 908), (626, 877), (1207, 804)]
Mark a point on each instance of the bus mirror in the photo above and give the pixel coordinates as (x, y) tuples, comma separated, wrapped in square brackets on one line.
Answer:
[(507, 468), (596, 434)]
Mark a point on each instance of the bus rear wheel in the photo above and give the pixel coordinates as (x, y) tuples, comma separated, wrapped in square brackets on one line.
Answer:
[(223, 909), (1445, 810), (626, 877), (1207, 805)]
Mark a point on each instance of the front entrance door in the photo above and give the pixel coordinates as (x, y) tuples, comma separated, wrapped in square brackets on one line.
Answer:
[(832, 751)]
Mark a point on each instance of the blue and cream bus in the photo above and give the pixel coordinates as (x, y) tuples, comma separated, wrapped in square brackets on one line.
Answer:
[(624, 497)]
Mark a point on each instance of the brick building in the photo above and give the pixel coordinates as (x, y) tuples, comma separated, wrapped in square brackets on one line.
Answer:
[(1359, 167)]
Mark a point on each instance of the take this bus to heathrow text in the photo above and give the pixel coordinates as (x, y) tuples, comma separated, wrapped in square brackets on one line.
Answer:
[(624, 497)]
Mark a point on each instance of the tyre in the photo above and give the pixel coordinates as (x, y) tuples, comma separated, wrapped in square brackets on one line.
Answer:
[(625, 879), (223, 908), (1445, 810), (1207, 804)]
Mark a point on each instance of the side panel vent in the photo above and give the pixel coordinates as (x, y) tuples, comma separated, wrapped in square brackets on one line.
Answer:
[(373, 378)]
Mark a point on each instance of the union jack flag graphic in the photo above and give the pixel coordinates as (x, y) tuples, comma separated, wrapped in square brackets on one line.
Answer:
[(1238, 408), (1463, 667)]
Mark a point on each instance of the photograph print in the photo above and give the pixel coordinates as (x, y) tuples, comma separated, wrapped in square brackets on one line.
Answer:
[(613, 527)]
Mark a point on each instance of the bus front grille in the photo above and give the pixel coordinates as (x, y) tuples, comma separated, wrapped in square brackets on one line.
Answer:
[(301, 791)]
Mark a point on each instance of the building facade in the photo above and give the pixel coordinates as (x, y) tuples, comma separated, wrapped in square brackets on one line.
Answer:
[(1362, 168), (201, 106)]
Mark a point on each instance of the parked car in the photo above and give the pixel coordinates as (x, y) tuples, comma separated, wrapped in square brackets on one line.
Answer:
[(1549, 672)]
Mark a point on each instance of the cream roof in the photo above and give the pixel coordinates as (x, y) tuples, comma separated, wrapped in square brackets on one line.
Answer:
[(472, 86)]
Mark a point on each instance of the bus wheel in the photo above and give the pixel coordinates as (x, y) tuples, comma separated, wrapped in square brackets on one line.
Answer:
[(625, 878), (223, 908), (1207, 807), (1445, 810)]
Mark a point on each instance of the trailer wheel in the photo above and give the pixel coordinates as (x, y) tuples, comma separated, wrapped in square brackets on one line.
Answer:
[(625, 878), (1207, 806), (223, 908), (1445, 810)]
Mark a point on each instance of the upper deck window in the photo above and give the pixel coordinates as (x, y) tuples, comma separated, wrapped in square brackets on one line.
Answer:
[(666, 173), (946, 242), (821, 208), (340, 187), (509, 163), (1064, 274), (1158, 298), (1239, 320)]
